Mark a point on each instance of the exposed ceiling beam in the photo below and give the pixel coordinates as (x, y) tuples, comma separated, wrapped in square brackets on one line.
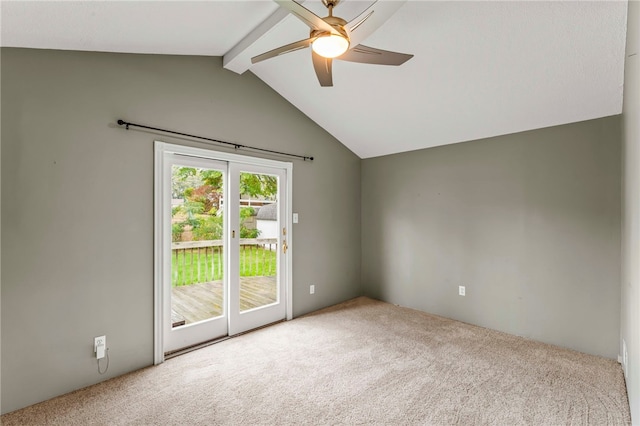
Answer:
[(238, 59)]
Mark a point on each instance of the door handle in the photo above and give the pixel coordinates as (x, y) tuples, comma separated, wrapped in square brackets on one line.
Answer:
[(284, 246)]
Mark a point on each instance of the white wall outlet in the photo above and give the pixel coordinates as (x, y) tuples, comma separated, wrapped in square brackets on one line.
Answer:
[(312, 289), (99, 346), (461, 290), (295, 218)]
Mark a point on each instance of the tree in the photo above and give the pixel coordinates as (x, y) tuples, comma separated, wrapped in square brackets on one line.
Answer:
[(254, 185), (200, 185), (246, 213), (201, 191), (208, 228)]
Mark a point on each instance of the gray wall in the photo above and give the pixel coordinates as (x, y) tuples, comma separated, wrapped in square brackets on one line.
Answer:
[(0, 249), (630, 318), (529, 223), (77, 203)]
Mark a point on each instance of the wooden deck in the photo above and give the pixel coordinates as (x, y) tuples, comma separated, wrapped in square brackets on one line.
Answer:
[(197, 302)]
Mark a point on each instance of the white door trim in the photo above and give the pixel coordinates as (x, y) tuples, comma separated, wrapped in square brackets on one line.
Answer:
[(158, 244), (162, 236)]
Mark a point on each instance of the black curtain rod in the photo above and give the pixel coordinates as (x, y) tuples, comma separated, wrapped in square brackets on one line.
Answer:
[(235, 145)]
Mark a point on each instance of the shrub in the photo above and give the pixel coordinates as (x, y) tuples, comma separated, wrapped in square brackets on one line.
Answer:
[(176, 231)]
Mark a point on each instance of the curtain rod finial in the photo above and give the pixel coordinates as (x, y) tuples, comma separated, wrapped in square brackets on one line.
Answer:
[(120, 122)]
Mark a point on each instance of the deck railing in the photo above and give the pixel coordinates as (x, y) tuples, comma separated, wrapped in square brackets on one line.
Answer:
[(203, 261)]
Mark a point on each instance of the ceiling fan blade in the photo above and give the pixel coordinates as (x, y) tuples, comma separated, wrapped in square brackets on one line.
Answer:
[(305, 15), (373, 17), (282, 50), (322, 66), (359, 20), (371, 55)]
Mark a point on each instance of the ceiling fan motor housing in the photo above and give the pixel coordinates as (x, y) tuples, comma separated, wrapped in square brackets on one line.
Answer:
[(336, 22)]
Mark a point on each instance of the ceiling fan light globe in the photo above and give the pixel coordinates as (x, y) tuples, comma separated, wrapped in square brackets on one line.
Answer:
[(330, 46)]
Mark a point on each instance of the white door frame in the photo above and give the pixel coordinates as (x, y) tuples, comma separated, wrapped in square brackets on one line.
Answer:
[(162, 237)]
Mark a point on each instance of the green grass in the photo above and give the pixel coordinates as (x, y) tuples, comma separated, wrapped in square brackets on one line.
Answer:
[(189, 267)]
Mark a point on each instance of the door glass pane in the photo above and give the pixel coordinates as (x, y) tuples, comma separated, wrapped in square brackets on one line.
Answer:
[(259, 227), (197, 257)]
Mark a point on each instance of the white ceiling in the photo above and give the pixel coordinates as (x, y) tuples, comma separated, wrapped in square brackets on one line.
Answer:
[(481, 68)]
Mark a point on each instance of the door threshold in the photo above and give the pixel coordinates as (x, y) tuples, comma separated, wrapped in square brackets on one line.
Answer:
[(258, 328), (188, 349)]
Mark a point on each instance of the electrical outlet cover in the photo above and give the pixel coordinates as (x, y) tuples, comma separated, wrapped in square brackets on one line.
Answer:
[(99, 346)]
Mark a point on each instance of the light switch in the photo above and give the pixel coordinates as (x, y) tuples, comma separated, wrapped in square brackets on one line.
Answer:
[(295, 218)]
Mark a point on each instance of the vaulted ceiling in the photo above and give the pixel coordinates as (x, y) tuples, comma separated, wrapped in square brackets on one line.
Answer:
[(481, 68)]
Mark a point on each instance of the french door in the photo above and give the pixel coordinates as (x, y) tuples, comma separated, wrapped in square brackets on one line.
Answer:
[(222, 245)]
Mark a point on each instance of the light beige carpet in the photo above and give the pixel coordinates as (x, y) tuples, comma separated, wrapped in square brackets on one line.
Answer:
[(361, 362)]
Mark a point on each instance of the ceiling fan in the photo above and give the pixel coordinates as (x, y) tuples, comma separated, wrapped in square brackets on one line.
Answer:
[(331, 38)]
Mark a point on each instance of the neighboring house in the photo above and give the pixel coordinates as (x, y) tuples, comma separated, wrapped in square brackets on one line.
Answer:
[(267, 221)]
